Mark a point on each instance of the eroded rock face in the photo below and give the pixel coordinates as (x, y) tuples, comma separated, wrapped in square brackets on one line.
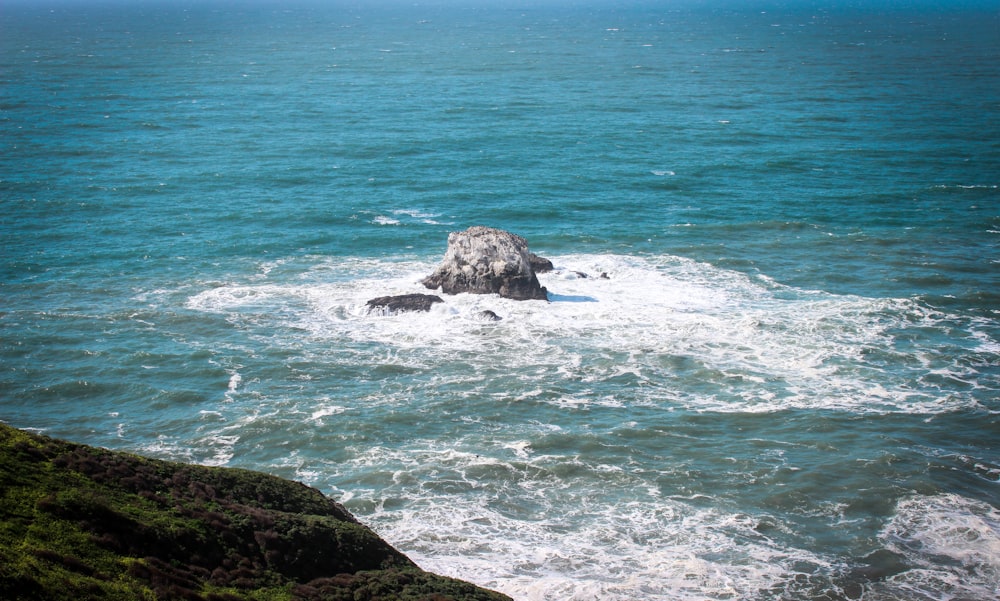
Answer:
[(484, 260), (403, 302)]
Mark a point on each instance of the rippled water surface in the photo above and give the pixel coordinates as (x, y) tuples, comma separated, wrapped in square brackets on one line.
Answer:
[(786, 386)]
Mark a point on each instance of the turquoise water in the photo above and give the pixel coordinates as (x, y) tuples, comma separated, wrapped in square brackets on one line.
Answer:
[(788, 387)]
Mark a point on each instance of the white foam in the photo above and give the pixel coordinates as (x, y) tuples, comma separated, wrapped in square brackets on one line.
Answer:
[(216, 439), (422, 216), (968, 186), (659, 323), (234, 381), (221, 447), (326, 410), (521, 448), (986, 344), (593, 547), (952, 541)]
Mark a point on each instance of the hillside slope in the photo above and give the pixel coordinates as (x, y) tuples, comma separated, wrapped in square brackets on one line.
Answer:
[(78, 522)]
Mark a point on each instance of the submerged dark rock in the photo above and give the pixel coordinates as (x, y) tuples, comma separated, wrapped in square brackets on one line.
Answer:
[(540, 264), (484, 260), (488, 315), (404, 302)]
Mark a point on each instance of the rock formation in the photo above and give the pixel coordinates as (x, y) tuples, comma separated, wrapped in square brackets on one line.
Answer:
[(403, 302), (484, 260), (540, 264)]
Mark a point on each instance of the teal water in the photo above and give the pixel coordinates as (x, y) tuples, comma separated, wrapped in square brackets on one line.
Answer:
[(788, 386)]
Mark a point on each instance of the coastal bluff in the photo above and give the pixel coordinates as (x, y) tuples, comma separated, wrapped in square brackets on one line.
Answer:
[(85, 523)]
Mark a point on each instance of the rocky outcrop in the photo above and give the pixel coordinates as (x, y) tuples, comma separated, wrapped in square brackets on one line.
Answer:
[(483, 260), (403, 302), (82, 523), (540, 264)]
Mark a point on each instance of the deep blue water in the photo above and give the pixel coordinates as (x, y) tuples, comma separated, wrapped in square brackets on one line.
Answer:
[(788, 386)]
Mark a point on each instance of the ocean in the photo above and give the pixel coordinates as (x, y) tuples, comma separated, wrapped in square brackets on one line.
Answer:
[(787, 386)]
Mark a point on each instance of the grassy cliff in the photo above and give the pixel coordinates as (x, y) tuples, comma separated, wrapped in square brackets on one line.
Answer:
[(79, 522)]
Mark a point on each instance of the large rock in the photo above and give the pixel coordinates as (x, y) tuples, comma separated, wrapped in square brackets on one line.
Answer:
[(484, 260)]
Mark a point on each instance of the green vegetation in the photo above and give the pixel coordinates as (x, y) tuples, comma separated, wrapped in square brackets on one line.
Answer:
[(79, 523)]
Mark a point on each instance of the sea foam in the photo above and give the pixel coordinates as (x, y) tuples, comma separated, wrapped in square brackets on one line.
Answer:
[(527, 454), (953, 544), (588, 549), (659, 323)]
